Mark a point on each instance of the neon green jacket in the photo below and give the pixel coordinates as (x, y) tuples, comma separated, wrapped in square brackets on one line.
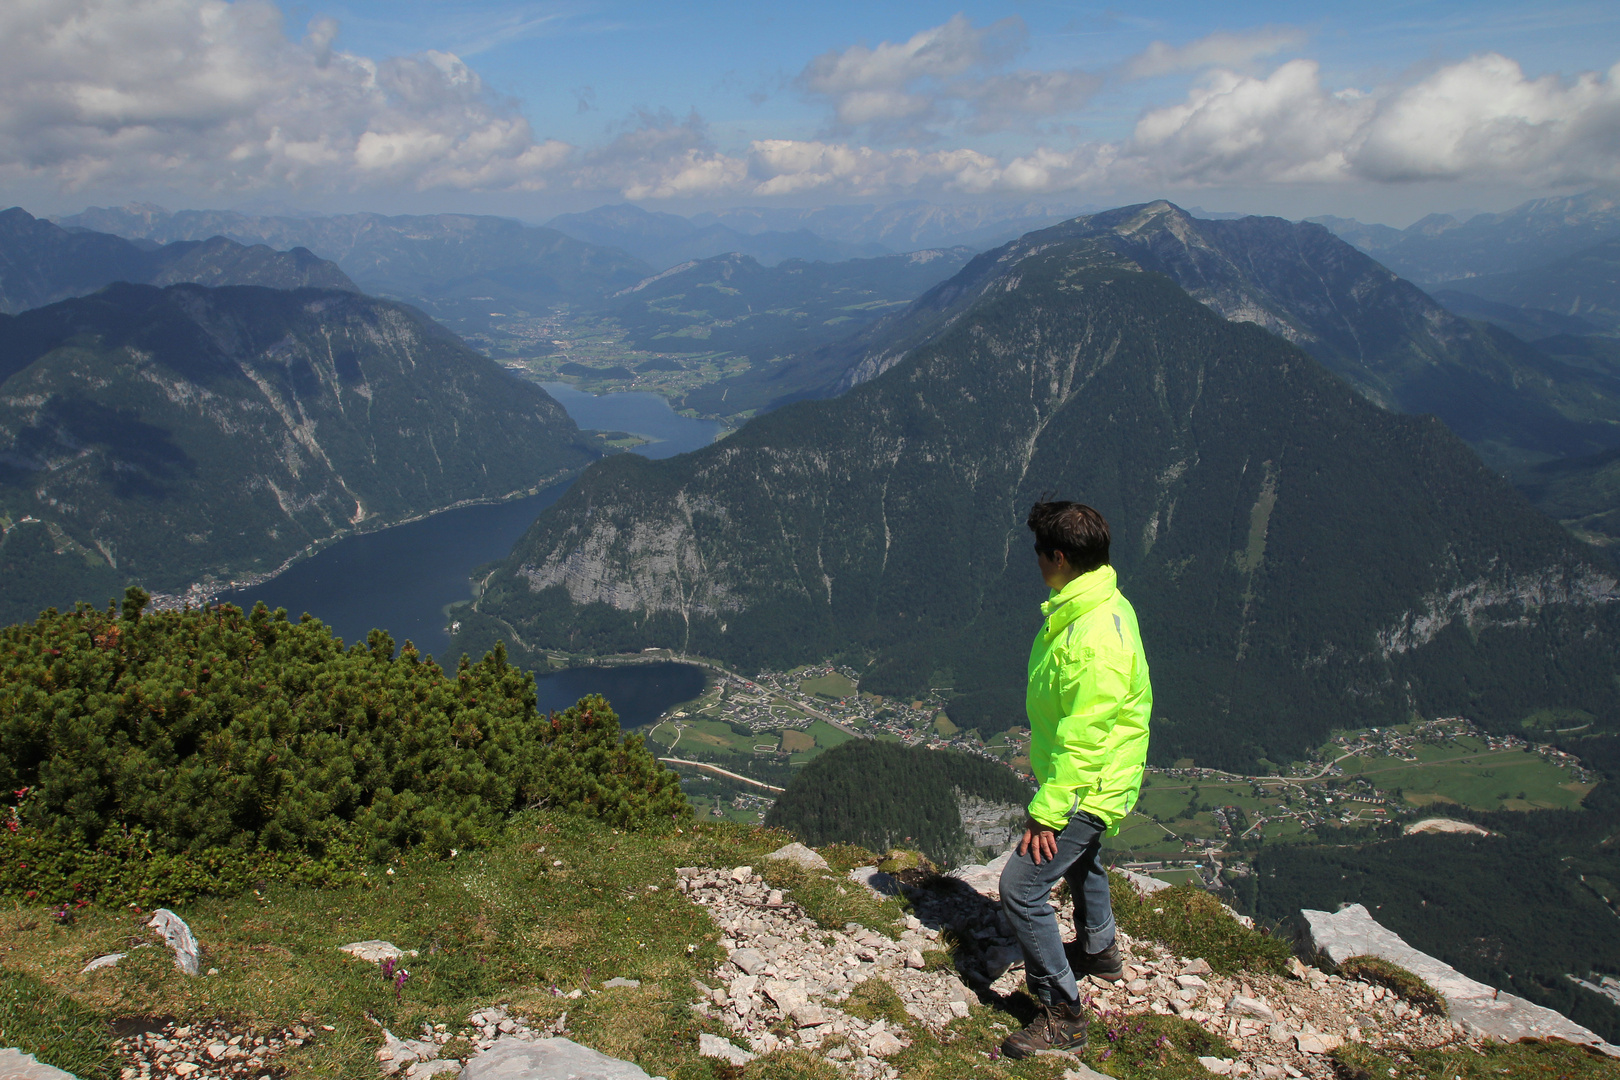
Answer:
[(1088, 703)]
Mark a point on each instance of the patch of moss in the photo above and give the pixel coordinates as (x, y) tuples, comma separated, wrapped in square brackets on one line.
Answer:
[(875, 999), (846, 857)]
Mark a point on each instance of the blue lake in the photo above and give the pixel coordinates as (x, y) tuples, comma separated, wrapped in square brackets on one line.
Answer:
[(639, 413), (402, 579)]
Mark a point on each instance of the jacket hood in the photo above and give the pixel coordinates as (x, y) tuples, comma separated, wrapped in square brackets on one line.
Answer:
[(1078, 597)]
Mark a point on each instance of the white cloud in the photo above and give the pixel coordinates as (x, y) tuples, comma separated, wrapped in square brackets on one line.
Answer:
[(1220, 49), (938, 76), (1478, 119), (212, 96), (204, 96)]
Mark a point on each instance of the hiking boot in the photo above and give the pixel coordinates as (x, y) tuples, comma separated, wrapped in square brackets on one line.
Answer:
[(1105, 965), (1061, 1026)]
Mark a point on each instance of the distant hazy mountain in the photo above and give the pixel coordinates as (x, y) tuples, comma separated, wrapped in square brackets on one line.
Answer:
[(666, 240), (171, 435), (733, 303), (901, 226), (41, 263), (1440, 248), (1584, 286), (1301, 559), (434, 257)]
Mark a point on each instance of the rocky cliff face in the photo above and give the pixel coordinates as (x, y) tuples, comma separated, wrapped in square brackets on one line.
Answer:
[(167, 435), (1299, 558)]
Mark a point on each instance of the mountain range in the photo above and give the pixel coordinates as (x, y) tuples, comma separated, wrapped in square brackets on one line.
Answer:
[(907, 225), (1386, 337), (184, 434), (1301, 559), (732, 303), (444, 260), (665, 240), (1444, 248), (41, 263)]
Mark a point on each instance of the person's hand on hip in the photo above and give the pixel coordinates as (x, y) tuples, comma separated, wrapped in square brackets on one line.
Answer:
[(1039, 842)]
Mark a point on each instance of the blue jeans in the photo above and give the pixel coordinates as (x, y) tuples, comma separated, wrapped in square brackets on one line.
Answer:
[(1026, 892)]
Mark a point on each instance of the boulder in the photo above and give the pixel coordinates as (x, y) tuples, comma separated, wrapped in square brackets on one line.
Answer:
[(1084, 1072), (177, 935), (1248, 1006), (985, 879), (800, 855), (882, 885), (716, 1047), (1144, 884), (884, 1044), (617, 981), (374, 951), (547, 1059), (749, 961), (1352, 931)]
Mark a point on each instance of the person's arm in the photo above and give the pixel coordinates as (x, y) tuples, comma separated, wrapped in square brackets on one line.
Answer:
[(1093, 685)]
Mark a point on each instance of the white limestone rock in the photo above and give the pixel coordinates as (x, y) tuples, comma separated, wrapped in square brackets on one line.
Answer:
[(1352, 931), (716, 1047), (509, 1058), (178, 936), (374, 951), (16, 1065), (799, 855)]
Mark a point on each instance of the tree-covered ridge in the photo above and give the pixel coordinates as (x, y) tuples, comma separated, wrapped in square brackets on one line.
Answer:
[(1299, 559), (42, 263), (881, 794), (170, 435), (212, 729)]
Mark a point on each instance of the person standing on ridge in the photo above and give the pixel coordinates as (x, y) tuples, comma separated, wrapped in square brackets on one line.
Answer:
[(1088, 703)]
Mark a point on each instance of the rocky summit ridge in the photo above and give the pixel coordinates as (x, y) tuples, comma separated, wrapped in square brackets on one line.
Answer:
[(788, 983)]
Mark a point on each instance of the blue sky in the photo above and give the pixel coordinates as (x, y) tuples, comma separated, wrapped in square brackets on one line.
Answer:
[(1381, 110), (713, 57)]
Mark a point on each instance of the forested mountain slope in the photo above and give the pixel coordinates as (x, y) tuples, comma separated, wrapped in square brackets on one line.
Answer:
[(169, 435), (1584, 286), (1300, 559), (881, 794), (41, 263), (1384, 335)]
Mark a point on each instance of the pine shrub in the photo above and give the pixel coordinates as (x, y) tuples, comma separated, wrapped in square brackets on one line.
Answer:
[(171, 751)]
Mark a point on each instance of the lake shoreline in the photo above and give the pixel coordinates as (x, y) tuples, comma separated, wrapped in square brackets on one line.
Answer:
[(200, 594)]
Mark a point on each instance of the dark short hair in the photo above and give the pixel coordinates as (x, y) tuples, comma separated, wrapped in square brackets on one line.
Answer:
[(1072, 528)]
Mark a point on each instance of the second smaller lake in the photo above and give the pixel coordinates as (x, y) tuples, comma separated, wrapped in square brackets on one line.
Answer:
[(639, 413)]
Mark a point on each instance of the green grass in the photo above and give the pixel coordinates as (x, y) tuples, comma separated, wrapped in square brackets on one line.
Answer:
[(1467, 772), (490, 927), (831, 899), (828, 686), (826, 737), (1491, 1061), (41, 1021), (1193, 923)]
